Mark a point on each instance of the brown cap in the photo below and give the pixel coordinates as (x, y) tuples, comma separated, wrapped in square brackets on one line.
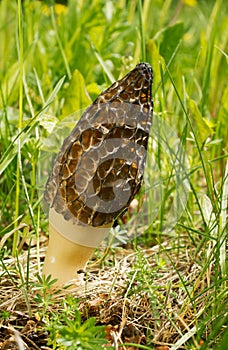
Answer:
[(100, 166)]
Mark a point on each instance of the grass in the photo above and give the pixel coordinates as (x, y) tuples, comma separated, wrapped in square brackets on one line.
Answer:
[(166, 284)]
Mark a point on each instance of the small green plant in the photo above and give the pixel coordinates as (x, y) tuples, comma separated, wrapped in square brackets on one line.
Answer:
[(68, 331), (44, 298), (4, 315)]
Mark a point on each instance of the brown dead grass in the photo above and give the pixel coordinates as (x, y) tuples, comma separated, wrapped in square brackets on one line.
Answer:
[(117, 294)]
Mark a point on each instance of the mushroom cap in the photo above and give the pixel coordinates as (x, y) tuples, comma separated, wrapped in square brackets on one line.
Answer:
[(100, 166)]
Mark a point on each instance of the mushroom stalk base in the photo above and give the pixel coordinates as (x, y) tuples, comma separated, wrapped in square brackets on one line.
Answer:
[(64, 259), (70, 247)]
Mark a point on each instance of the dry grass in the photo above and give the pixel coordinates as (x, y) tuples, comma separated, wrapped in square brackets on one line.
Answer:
[(114, 295)]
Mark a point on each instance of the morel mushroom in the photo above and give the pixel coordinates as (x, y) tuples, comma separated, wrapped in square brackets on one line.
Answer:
[(97, 173)]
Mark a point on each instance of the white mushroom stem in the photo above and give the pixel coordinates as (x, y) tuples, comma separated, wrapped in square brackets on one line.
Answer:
[(69, 249)]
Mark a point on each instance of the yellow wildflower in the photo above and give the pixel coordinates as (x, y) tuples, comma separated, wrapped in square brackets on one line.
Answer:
[(190, 3), (58, 9)]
